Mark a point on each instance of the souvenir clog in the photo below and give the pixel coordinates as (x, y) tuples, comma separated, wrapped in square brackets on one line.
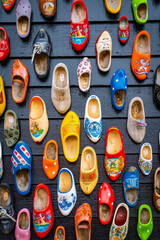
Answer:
[(145, 222), (70, 136), (50, 159), (114, 153), (2, 97), (8, 4), (140, 11), (60, 93), (84, 74), (43, 215), (131, 186), (119, 227), (93, 118), (141, 55), (88, 170), (11, 128), (119, 89), (113, 6), (106, 200), (23, 225), (47, 7), (60, 233), (7, 211), (124, 30), (4, 44), (145, 158), (159, 144), (157, 87), (38, 119), (156, 192), (1, 161), (21, 164), (79, 25), (83, 220), (20, 78), (136, 125)]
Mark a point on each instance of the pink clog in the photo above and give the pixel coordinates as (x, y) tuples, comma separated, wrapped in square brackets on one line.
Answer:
[(22, 230)]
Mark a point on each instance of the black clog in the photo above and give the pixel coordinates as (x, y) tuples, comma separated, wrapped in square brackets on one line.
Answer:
[(157, 87)]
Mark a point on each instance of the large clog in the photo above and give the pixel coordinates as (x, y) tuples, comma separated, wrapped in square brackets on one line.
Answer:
[(113, 6), (84, 74), (2, 97), (47, 7), (23, 225), (140, 11), (145, 158), (4, 44)]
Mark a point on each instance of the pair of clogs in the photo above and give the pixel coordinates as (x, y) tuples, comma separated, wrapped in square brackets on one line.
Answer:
[(47, 7), (23, 225), (4, 44), (8, 4)]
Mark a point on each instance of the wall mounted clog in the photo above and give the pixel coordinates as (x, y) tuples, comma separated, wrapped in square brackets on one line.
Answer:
[(88, 170), (140, 11), (47, 7), (2, 97), (60, 233), (141, 55), (84, 74), (114, 153), (8, 4), (4, 44), (145, 158), (1, 161), (157, 87), (124, 30), (156, 192), (113, 6), (79, 25), (43, 215), (106, 200), (23, 225), (67, 195)]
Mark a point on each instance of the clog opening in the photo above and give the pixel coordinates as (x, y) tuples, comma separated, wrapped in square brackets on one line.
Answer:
[(114, 142), (123, 23), (119, 98), (93, 108), (71, 146), (23, 179), (131, 195), (5, 198), (2, 35), (142, 45), (23, 222), (18, 88), (9, 121), (144, 216), (83, 231), (60, 234), (158, 183), (41, 199), (113, 4), (41, 62), (104, 212), (60, 77), (88, 160), (78, 14), (146, 153), (104, 59), (121, 216), (158, 76), (137, 111), (51, 152), (65, 182), (84, 81), (36, 109), (142, 11), (23, 24)]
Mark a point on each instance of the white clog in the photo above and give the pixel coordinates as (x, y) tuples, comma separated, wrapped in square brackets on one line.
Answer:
[(145, 158)]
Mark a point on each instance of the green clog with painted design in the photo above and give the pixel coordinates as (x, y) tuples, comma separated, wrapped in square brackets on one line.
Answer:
[(145, 222), (140, 11)]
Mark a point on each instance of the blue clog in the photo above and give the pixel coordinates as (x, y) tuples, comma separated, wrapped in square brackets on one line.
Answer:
[(119, 89), (131, 186), (21, 164)]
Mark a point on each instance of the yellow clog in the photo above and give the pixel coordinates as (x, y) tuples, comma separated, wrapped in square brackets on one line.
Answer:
[(88, 170), (113, 6), (70, 136), (2, 97)]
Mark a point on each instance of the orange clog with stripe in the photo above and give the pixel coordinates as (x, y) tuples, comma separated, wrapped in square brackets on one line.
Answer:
[(59, 233)]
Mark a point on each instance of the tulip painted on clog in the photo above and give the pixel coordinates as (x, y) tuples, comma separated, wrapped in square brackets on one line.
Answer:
[(2, 97), (8, 4), (124, 30), (145, 158), (140, 11), (4, 44), (23, 230)]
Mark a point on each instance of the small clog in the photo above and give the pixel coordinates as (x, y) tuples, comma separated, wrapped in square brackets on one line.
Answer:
[(79, 25), (145, 158), (50, 159), (131, 186), (23, 18), (11, 128), (38, 119), (60, 233), (70, 136), (60, 93), (156, 192), (83, 220), (23, 225), (124, 30), (20, 78), (2, 97), (114, 153), (106, 201), (43, 215), (119, 227), (119, 89), (141, 55), (157, 87), (93, 119), (84, 74), (47, 7), (104, 51), (145, 222), (8, 4), (113, 6), (159, 144), (4, 44), (67, 195), (88, 170), (140, 11), (1, 161), (136, 125)]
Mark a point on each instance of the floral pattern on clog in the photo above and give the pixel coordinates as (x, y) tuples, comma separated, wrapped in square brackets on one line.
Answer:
[(93, 129), (84, 67), (118, 233), (114, 166)]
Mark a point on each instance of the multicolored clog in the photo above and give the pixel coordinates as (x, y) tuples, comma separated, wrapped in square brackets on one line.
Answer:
[(124, 30), (145, 158), (8, 4)]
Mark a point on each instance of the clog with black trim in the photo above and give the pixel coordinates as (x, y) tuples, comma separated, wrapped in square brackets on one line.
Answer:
[(8, 4), (145, 158), (60, 233), (2, 97), (113, 6), (140, 11), (124, 30), (4, 44)]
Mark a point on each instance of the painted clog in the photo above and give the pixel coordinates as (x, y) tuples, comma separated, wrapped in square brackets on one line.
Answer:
[(60, 233), (4, 44), (119, 228), (79, 25), (43, 215), (131, 186), (141, 56), (67, 195), (47, 7), (2, 97), (113, 6), (84, 75), (1, 161), (145, 158), (156, 192), (106, 200), (8, 4), (60, 93), (23, 18), (93, 118), (119, 89), (145, 222), (83, 220), (140, 11), (20, 78), (124, 30), (157, 87), (114, 154), (104, 51), (50, 159), (70, 136), (11, 128), (38, 119), (88, 170), (23, 225), (136, 125)]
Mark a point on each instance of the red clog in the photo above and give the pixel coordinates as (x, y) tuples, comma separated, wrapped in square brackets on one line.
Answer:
[(114, 155), (4, 44), (43, 216), (8, 4), (124, 30), (79, 26), (105, 203)]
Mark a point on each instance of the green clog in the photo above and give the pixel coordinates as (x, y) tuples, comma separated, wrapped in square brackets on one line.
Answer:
[(140, 11), (145, 222)]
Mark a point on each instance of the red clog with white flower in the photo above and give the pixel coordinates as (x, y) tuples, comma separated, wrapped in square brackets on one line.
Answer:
[(124, 30), (4, 44), (8, 4)]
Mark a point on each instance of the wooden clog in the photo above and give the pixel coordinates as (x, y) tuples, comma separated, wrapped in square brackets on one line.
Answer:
[(8, 4), (60, 233), (156, 192), (47, 7), (124, 30), (4, 44), (113, 6), (2, 97), (84, 74), (23, 224)]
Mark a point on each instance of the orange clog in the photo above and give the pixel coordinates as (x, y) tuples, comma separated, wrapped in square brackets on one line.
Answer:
[(140, 62), (50, 159), (59, 233)]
